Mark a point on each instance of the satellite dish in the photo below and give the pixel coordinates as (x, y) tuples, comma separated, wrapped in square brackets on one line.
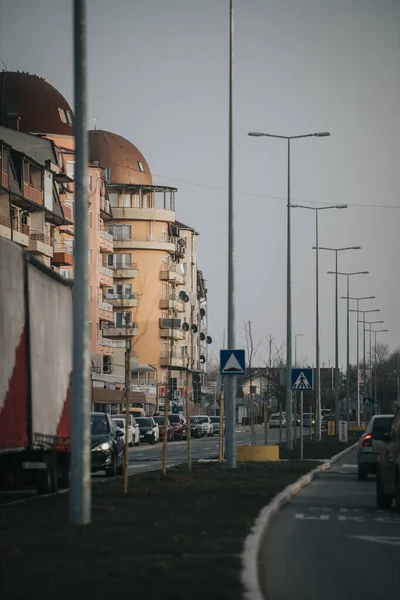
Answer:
[(202, 358), (202, 336), (186, 298), (202, 312), (185, 327), (182, 295), (196, 377), (194, 328), (209, 339)]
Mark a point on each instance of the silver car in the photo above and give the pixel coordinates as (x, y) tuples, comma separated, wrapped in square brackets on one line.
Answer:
[(371, 443)]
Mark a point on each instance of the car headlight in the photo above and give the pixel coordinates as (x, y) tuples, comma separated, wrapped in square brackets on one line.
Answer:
[(102, 447)]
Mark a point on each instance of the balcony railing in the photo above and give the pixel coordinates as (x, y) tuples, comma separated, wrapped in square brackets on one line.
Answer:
[(67, 211), (172, 355), (124, 266), (41, 237), (173, 268), (131, 296), (32, 193), (129, 237), (66, 248), (105, 204), (16, 225), (119, 325), (106, 306), (107, 236), (112, 343), (106, 271), (4, 178)]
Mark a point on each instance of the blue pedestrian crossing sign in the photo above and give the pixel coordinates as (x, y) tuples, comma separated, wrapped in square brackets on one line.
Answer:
[(232, 362), (302, 380)]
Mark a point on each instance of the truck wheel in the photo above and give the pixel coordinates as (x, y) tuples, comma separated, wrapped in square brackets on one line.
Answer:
[(47, 479)]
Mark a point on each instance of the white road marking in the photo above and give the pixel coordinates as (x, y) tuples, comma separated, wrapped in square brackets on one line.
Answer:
[(304, 517), (359, 519), (392, 541)]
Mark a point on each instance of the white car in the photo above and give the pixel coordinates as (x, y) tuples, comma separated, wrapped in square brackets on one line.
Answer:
[(207, 427), (275, 422), (133, 429)]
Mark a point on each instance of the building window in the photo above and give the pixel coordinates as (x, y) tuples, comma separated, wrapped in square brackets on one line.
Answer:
[(108, 174), (110, 260), (89, 183), (164, 233), (113, 198), (122, 232), (69, 117), (126, 200), (63, 117), (141, 168), (90, 293), (183, 351), (164, 348), (135, 201), (164, 315), (164, 259), (89, 219), (164, 291), (145, 201), (70, 168), (90, 256), (123, 318), (90, 330), (163, 376)]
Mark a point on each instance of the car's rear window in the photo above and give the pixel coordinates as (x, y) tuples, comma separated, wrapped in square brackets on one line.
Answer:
[(381, 426), (174, 418)]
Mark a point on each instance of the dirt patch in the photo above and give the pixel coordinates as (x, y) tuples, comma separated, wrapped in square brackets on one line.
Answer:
[(327, 448), (172, 538)]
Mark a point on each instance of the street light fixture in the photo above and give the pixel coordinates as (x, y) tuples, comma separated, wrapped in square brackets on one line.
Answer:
[(289, 436), (336, 251), (348, 275), (317, 348), (364, 312), (370, 323), (358, 299)]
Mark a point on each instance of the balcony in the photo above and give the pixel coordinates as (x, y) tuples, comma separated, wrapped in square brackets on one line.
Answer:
[(33, 194), (145, 242), (175, 334), (106, 277), (62, 255), (122, 300), (105, 208), (106, 242), (67, 210), (126, 271), (172, 303), (4, 178), (172, 273), (20, 232), (106, 312), (39, 243), (111, 343), (144, 214), (131, 330), (172, 359)]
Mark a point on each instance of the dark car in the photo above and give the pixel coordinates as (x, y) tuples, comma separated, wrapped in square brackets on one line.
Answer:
[(371, 443), (216, 425), (107, 445), (195, 427), (388, 467), (170, 430), (179, 425), (149, 431)]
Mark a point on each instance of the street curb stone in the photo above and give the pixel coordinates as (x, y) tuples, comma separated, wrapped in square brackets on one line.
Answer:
[(252, 544)]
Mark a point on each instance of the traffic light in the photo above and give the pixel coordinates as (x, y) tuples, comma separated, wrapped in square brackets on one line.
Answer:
[(196, 388)]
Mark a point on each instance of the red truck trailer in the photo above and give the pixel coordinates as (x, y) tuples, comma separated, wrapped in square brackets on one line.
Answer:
[(35, 369)]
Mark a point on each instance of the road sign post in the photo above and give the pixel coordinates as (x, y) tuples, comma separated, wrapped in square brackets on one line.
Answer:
[(232, 363), (302, 381)]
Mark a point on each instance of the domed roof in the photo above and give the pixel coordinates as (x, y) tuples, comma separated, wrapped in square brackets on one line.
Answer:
[(39, 106), (127, 165)]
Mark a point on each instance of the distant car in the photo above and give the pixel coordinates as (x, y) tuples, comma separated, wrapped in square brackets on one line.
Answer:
[(306, 420), (149, 431), (206, 425), (216, 425), (388, 467), (274, 420), (120, 423), (107, 445), (195, 427), (159, 419), (371, 443), (178, 422)]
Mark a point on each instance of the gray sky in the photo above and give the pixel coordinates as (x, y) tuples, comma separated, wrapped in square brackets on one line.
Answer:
[(158, 75)]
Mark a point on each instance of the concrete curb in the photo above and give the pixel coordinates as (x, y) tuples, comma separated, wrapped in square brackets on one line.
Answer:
[(252, 544)]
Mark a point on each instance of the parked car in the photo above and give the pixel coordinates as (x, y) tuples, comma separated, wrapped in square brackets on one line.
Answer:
[(306, 420), (206, 425), (371, 443), (274, 420), (195, 427), (216, 425), (107, 445), (178, 422), (120, 423), (159, 419), (149, 431), (388, 467)]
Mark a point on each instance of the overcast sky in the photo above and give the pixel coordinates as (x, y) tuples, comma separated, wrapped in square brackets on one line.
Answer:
[(158, 75)]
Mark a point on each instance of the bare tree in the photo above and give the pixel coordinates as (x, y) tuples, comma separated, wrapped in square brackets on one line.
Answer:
[(252, 351)]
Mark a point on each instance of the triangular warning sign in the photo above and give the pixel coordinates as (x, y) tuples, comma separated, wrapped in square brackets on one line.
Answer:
[(232, 365), (301, 383)]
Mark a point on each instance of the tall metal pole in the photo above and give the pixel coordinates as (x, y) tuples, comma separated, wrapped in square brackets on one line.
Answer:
[(365, 362), (289, 440), (127, 411), (80, 497), (370, 360), (358, 365), (398, 379), (230, 406), (348, 403), (376, 373), (317, 367), (336, 344)]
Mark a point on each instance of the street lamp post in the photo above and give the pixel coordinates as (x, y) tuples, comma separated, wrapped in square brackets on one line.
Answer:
[(358, 350), (295, 347), (364, 312), (317, 348), (347, 297), (370, 323), (376, 370), (336, 251), (289, 433)]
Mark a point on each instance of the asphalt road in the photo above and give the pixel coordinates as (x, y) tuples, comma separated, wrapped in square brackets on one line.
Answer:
[(331, 542)]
